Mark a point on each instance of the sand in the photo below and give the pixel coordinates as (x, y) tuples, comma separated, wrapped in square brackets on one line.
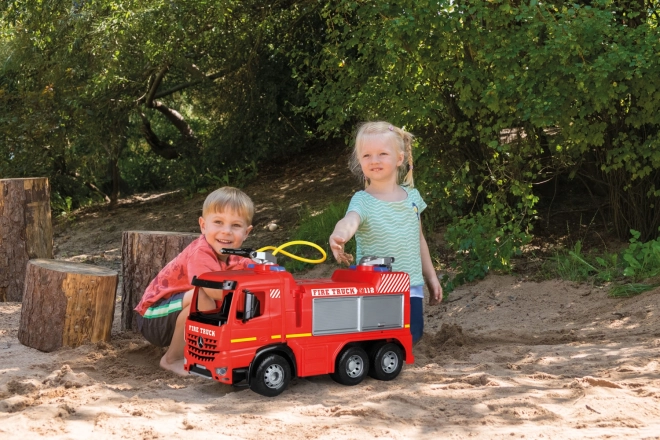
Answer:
[(504, 358)]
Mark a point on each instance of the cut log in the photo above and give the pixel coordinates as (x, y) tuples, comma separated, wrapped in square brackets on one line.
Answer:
[(143, 255), (66, 304), (26, 231)]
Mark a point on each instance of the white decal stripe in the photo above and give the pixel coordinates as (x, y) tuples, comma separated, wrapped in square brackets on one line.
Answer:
[(385, 284), (395, 282), (391, 283), (275, 293)]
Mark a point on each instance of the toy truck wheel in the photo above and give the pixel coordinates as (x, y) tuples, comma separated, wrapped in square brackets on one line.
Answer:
[(351, 367), (386, 362), (273, 376)]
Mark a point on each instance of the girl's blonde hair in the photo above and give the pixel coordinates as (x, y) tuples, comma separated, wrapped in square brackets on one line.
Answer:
[(402, 141), (230, 198)]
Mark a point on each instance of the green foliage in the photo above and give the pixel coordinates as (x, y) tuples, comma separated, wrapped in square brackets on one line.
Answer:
[(317, 227), (574, 265), (637, 262), (482, 243), (106, 96), (105, 92), (502, 97), (631, 289), (641, 260), (61, 205)]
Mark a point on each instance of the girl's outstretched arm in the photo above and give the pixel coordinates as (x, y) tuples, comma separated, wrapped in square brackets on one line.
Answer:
[(344, 230), (428, 271)]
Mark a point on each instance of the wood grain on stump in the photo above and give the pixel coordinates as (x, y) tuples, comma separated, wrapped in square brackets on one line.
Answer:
[(26, 231), (66, 304), (143, 255)]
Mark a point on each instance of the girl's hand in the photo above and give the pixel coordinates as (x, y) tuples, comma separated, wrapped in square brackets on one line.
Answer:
[(344, 231), (337, 246), (435, 292)]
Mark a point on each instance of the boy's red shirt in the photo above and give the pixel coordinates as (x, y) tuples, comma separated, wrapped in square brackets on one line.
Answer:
[(197, 258)]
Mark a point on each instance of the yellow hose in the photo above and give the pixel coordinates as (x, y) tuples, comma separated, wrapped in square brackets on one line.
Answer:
[(295, 257)]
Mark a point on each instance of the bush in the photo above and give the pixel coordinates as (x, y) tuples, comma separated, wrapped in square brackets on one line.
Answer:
[(482, 243), (632, 272)]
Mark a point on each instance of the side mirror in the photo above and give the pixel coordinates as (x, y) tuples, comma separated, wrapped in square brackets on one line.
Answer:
[(250, 307)]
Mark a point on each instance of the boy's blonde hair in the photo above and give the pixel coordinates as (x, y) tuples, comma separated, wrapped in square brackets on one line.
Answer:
[(230, 198), (402, 141)]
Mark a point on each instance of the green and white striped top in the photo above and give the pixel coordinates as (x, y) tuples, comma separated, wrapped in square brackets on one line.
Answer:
[(391, 229)]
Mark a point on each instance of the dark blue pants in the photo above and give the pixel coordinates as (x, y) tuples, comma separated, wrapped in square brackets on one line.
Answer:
[(416, 318)]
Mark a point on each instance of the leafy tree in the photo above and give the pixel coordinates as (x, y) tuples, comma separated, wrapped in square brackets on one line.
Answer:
[(503, 96), (201, 83)]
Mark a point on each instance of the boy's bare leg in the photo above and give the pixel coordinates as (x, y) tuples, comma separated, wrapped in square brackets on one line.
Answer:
[(172, 360)]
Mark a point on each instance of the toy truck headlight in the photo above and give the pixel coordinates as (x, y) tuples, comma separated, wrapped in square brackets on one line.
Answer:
[(221, 371), (185, 361)]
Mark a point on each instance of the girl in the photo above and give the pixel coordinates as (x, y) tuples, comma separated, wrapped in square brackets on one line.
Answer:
[(385, 216)]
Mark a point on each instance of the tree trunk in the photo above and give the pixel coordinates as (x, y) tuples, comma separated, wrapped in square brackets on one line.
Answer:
[(66, 304), (143, 255), (26, 231)]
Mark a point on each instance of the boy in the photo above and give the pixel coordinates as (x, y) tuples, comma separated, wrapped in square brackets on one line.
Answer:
[(226, 222)]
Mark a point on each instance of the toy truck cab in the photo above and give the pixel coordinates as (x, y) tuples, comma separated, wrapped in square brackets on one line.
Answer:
[(221, 343), (270, 327)]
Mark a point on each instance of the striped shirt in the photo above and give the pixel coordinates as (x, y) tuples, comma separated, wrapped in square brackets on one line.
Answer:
[(391, 229)]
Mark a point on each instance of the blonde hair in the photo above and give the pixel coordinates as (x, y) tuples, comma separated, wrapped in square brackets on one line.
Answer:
[(402, 141), (230, 198)]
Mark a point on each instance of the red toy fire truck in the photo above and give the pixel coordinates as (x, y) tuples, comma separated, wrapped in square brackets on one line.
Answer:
[(271, 327)]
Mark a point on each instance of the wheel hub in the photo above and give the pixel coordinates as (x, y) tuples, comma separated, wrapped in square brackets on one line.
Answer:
[(390, 362), (354, 366), (274, 376)]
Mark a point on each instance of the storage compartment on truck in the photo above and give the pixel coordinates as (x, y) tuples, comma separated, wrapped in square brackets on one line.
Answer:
[(332, 316)]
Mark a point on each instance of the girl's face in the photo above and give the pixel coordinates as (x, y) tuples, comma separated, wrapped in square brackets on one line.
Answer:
[(379, 158)]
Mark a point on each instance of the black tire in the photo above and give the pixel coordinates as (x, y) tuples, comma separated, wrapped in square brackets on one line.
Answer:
[(386, 361), (272, 377), (351, 366)]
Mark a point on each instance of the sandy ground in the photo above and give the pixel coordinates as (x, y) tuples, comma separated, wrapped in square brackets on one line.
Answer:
[(503, 359)]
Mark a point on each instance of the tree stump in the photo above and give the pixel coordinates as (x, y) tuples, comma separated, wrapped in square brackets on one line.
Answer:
[(143, 255), (26, 231), (66, 304)]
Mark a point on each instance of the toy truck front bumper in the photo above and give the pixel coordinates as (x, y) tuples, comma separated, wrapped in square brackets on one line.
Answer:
[(203, 355)]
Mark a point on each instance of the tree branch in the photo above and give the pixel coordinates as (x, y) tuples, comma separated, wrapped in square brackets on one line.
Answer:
[(176, 119), (159, 147), (154, 86), (190, 84), (150, 97)]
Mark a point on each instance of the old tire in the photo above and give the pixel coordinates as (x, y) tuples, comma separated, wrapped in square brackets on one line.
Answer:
[(351, 367), (386, 361), (272, 377)]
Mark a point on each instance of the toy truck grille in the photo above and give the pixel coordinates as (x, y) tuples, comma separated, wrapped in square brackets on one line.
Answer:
[(202, 349)]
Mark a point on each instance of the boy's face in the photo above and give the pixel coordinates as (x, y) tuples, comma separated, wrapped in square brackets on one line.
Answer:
[(224, 229)]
